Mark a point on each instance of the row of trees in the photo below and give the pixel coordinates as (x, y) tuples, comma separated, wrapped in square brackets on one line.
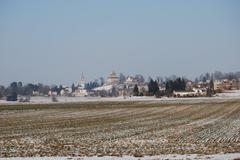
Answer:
[(153, 87), (171, 84), (175, 85), (27, 89), (217, 75), (17, 88), (179, 84), (91, 85)]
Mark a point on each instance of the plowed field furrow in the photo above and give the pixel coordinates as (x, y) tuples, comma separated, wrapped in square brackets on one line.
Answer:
[(120, 128)]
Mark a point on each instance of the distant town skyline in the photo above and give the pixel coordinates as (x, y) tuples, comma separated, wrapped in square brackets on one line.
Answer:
[(54, 42)]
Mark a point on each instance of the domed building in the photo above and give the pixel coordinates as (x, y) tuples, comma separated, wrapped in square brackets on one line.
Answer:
[(112, 78)]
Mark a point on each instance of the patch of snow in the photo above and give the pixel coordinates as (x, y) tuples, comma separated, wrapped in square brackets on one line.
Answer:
[(230, 93), (229, 156), (105, 87), (233, 94)]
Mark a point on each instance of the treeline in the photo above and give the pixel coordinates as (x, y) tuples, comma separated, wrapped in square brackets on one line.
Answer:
[(153, 87), (178, 84), (217, 75), (17, 88), (91, 85), (175, 85), (170, 84)]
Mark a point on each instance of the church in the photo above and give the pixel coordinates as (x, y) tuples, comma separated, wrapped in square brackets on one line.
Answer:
[(112, 79)]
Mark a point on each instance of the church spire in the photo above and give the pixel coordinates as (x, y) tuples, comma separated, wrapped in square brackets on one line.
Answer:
[(82, 81), (82, 77)]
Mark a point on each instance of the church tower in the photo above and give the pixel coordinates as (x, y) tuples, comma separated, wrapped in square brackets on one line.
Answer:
[(82, 81)]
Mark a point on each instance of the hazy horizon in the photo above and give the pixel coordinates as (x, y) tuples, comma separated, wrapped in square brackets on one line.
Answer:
[(53, 42)]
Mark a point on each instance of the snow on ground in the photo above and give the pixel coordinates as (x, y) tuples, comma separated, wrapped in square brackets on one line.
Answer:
[(230, 156), (230, 93), (233, 94)]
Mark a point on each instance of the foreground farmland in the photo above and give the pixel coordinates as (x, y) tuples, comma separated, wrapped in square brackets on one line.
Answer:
[(120, 128)]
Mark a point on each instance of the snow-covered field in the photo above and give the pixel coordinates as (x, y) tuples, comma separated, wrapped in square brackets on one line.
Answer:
[(230, 93), (230, 156), (233, 94), (122, 129)]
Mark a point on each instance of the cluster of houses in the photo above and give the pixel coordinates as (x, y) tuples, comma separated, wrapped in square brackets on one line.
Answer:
[(197, 89), (114, 87), (226, 84)]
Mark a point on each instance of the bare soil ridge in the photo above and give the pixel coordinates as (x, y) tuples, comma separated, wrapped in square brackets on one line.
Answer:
[(120, 128)]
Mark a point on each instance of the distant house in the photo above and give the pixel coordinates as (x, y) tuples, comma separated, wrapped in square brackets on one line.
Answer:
[(106, 91), (80, 91), (226, 84), (230, 84), (196, 92), (143, 88), (66, 91), (218, 85), (130, 81), (202, 84), (189, 85), (184, 94), (104, 87), (52, 93), (200, 91)]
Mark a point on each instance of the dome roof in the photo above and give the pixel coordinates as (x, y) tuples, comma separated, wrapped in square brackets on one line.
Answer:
[(112, 75)]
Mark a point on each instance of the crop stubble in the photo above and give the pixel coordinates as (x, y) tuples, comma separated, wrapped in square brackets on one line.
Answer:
[(119, 128)]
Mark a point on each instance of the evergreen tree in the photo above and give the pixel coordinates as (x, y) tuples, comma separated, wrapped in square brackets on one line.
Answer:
[(2, 90), (153, 87), (150, 86), (101, 81), (204, 79), (73, 87), (177, 85), (135, 90), (14, 87), (183, 85), (122, 78), (91, 85), (169, 87), (211, 84)]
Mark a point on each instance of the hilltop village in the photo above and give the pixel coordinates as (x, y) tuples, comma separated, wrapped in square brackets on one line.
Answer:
[(115, 86), (128, 86)]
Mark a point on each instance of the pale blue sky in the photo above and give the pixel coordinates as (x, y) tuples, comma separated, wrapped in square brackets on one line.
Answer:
[(54, 41)]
